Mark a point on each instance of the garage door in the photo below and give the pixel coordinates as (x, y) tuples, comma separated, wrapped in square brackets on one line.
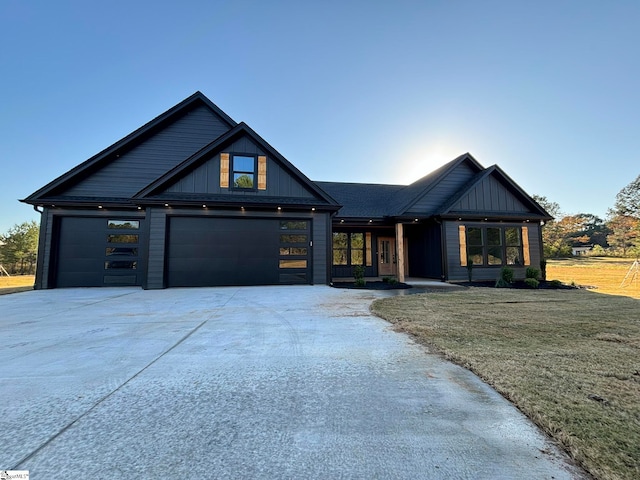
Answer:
[(96, 252), (247, 251)]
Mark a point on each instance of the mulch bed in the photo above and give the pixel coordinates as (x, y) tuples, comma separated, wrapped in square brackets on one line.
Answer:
[(519, 284), (372, 286)]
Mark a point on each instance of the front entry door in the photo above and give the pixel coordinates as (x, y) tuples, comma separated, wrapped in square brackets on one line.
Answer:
[(386, 256)]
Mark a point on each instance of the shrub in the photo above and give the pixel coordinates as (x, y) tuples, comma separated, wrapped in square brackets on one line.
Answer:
[(533, 273), (531, 282), (470, 269), (501, 283), (506, 274), (556, 283), (358, 274)]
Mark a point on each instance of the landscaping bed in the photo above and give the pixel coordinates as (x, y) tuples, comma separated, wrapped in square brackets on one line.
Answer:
[(377, 285)]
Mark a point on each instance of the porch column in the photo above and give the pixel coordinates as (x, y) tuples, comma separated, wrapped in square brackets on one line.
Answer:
[(400, 251)]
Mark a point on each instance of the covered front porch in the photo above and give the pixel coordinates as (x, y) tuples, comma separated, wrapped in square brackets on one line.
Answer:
[(386, 249)]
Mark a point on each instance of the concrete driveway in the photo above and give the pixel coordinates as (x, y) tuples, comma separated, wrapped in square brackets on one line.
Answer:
[(252, 382)]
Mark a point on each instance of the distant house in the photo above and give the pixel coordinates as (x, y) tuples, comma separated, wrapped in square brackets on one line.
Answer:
[(580, 250), (193, 198)]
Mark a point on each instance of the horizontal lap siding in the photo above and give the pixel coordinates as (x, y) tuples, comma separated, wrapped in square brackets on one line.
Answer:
[(44, 250), (157, 244), (321, 226), (134, 169)]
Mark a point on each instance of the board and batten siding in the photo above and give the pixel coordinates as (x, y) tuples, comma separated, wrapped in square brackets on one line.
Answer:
[(206, 177), (134, 169), (489, 196), (455, 271), (443, 190)]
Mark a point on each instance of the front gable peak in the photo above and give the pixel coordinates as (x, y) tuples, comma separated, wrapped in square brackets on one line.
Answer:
[(238, 167)]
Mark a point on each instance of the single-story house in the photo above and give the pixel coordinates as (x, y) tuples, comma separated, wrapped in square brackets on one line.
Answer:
[(193, 198)]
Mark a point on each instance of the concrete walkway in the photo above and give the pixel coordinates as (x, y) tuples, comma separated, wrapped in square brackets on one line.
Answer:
[(253, 382)]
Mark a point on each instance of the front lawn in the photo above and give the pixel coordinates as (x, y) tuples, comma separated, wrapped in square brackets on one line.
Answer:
[(569, 359), (16, 283)]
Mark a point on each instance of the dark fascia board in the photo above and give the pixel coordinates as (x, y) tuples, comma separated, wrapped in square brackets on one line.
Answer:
[(121, 144), (539, 212), (438, 175), (208, 151)]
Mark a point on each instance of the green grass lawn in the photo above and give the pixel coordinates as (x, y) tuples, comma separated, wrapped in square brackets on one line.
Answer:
[(569, 359)]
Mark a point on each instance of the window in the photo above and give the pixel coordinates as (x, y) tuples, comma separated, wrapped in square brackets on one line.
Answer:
[(494, 246), (121, 264), (124, 224), (122, 238), (293, 225), (352, 248), (293, 239), (340, 248), (244, 171)]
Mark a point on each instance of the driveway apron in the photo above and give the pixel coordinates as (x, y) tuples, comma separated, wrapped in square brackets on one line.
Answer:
[(252, 382)]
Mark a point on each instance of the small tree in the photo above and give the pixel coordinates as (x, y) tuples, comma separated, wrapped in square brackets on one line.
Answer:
[(19, 249)]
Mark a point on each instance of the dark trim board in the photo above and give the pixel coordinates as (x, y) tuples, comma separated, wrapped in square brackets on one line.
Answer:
[(171, 176)]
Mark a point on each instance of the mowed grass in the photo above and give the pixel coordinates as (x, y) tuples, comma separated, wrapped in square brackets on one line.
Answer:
[(16, 283), (569, 359), (603, 273)]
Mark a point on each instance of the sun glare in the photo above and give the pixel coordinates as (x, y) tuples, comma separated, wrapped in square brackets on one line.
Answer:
[(424, 159)]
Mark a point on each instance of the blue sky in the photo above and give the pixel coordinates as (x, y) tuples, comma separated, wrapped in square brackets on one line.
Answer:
[(364, 91)]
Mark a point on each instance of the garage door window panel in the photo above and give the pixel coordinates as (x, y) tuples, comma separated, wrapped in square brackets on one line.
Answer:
[(123, 224), (122, 238)]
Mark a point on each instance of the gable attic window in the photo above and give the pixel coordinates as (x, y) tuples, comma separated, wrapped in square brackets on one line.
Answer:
[(243, 171)]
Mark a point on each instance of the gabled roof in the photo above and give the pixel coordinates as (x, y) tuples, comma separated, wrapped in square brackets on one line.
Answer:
[(494, 171), (155, 189), (418, 189), (105, 156), (362, 200)]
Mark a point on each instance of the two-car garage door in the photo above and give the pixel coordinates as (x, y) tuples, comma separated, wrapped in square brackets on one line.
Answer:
[(237, 251), (200, 251)]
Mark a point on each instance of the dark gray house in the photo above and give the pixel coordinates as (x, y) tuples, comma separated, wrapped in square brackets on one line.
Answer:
[(193, 198)]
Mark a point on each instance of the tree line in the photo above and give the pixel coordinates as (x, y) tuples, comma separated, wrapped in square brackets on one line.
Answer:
[(18, 249), (617, 235)]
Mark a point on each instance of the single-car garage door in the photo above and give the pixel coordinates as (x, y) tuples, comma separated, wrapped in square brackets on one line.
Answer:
[(237, 251), (96, 252)]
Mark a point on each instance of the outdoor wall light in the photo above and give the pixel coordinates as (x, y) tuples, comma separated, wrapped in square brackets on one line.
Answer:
[(166, 204), (279, 208), (99, 206)]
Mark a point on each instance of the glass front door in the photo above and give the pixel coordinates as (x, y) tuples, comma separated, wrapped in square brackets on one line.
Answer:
[(386, 256)]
